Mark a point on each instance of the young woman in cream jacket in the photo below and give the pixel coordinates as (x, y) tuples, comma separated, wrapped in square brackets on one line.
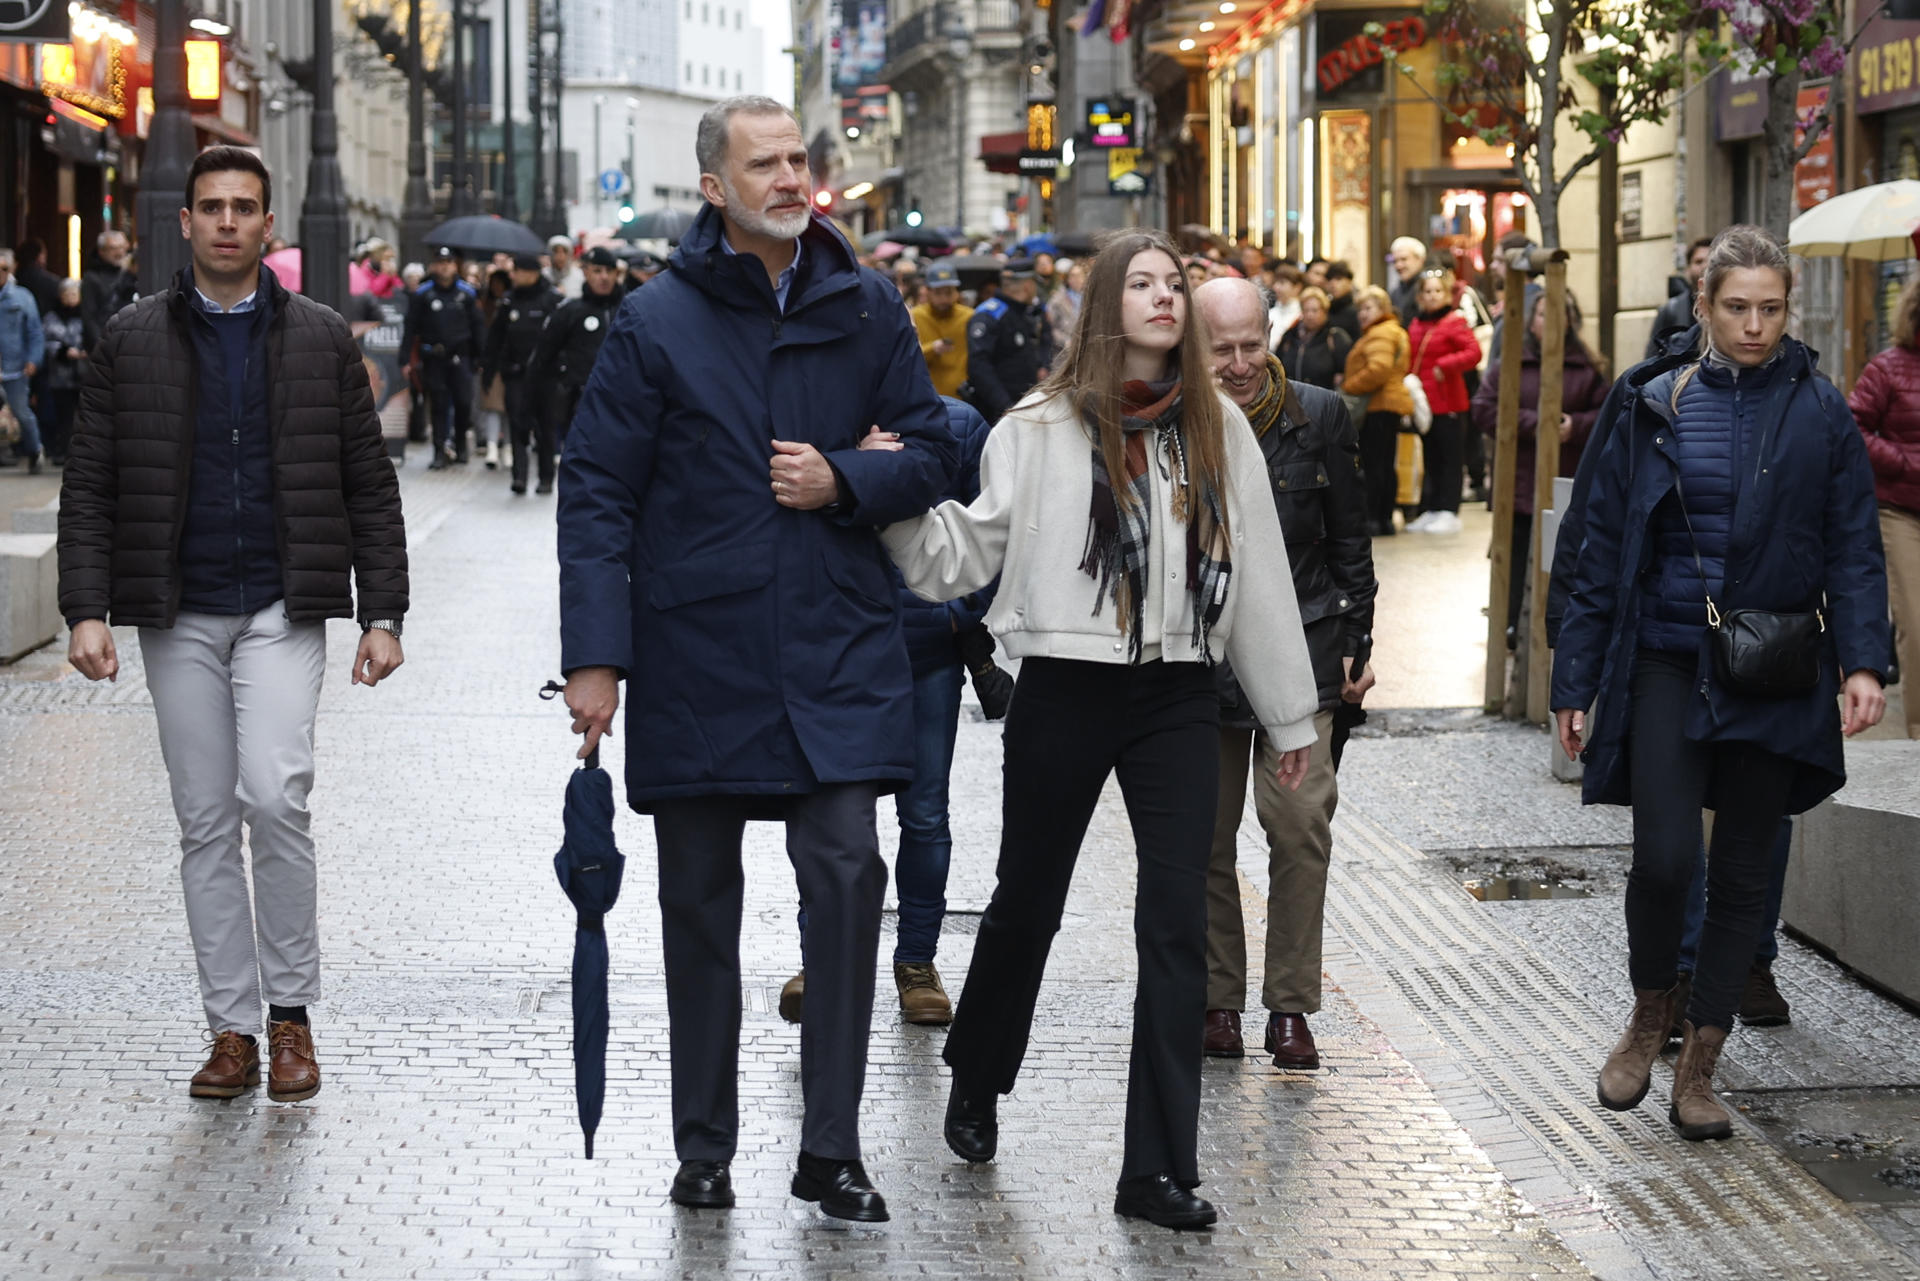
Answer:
[(1132, 526)]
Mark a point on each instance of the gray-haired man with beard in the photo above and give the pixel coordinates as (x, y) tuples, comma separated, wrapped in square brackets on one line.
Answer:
[(718, 552)]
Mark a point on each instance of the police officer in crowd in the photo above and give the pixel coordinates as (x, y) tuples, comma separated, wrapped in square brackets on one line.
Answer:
[(1009, 344), (443, 316), (511, 341), (572, 339)]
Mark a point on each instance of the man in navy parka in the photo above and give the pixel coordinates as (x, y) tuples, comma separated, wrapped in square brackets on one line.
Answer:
[(718, 552)]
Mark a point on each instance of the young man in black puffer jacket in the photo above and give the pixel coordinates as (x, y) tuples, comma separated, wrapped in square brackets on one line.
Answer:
[(226, 486)]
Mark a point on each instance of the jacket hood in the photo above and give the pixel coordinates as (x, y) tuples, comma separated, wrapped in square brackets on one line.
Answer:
[(700, 260)]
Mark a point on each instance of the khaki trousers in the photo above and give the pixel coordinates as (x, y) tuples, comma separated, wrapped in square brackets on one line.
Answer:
[(1900, 532), (1299, 828)]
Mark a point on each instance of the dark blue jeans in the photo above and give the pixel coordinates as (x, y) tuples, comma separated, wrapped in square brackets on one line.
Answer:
[(926, 838), (1697, 903)]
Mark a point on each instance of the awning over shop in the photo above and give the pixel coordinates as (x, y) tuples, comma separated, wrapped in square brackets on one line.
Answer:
[(1000, 152)]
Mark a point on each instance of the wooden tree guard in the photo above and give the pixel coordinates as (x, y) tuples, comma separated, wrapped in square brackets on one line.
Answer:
[(1513, 322), (1546, 466), (1500, 698)]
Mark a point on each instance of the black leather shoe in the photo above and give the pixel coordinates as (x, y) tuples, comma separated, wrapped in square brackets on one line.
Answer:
[(1157, 1198), (841, 1189), (544, 487), (703, 1185), (972, 1128)]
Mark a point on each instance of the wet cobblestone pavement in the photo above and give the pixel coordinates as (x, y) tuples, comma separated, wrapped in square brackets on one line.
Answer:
[(1450, 1133)]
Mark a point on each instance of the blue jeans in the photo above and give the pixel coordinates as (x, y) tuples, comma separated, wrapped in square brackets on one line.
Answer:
[(1697, 903), (16, 393), (926, 839)]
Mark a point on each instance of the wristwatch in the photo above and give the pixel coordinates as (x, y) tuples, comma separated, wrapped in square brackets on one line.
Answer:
[(388, 625)]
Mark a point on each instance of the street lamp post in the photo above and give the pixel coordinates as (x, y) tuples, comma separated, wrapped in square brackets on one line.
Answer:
[(323, 214), (599, 196), (416, 209), (537, 110), (509, 203), (169, 154), (559, 87), (959, 45), (460, 199)]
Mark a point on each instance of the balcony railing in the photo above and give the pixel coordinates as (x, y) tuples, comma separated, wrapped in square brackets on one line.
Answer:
[(929, 30)]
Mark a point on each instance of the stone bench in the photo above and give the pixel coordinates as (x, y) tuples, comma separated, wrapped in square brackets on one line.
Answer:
[(37, 520), (1853, 884), (29, 593)]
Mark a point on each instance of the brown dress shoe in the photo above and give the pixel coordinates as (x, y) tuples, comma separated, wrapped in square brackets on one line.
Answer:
[(1291, 1043), (292, 1073), (1223, 1035), (923, 998), (1695, 1110), (1628, 1072), (793, 997), (233, 1066)]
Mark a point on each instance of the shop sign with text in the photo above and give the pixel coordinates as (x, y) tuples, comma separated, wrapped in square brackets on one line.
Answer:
[(1355, 60), (1813, 176), (1885, 67)]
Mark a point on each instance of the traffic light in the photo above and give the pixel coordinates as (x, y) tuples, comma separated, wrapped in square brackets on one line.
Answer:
[(626, 211), (913, 217)]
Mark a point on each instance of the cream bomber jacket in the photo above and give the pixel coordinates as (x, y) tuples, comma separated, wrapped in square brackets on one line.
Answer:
[(1029, 526)]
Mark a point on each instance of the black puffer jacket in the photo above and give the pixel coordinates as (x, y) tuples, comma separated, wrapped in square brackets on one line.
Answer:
[(123, 500)]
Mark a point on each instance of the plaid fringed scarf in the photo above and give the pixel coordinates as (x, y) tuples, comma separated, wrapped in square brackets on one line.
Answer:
[(1118, 534), (1265, 410)]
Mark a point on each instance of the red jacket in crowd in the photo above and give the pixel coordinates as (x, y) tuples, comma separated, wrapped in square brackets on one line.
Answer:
[(1444, 349), (1886, 404)]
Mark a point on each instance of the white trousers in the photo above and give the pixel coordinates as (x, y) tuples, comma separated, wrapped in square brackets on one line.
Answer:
[(235, 698)]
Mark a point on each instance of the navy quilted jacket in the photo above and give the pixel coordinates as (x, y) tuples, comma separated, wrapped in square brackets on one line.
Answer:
[(1716, 418), (1804, 534)]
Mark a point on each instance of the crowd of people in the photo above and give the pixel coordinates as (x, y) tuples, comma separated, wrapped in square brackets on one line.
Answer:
[(799, 497)]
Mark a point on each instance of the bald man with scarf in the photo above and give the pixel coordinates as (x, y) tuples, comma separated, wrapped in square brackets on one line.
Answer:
[(1313, 456)]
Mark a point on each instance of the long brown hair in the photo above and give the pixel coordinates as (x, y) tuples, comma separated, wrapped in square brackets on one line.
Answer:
[(1091, 373)]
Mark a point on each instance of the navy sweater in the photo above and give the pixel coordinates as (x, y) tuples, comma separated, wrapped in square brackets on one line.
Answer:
[(1714, 425), (229, 560)]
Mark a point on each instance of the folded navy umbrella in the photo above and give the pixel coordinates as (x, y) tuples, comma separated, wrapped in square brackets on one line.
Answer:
[(589, 867)]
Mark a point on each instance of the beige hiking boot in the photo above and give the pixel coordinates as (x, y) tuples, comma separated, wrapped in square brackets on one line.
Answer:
[(922, 998), (1695, 1109), (1628, 1071)]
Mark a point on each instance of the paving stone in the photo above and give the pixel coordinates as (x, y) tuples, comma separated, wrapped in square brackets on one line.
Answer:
[(445, 1143)]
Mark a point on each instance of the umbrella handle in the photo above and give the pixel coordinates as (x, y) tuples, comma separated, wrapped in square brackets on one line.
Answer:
[(552, 690)]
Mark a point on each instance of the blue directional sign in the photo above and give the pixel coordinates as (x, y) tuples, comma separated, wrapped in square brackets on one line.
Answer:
[(613, 182)]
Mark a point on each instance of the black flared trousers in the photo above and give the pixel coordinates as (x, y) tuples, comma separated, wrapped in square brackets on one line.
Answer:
[(1071, 725)]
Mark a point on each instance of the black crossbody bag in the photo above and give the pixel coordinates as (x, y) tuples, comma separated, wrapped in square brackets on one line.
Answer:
[(1757, 651)]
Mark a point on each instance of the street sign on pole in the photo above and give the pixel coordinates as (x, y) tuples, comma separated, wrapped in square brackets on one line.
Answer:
[(613, 183)]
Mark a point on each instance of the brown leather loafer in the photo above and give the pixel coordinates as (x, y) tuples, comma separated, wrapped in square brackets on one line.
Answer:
[(292, 1072), (1291, 1043), (232, 1067), (793, 998), (1223, 1035)]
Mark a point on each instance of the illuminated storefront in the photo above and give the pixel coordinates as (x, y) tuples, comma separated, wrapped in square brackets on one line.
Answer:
[(1318, 146)]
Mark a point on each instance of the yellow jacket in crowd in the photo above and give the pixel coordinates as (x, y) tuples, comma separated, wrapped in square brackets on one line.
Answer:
[(949, 369)]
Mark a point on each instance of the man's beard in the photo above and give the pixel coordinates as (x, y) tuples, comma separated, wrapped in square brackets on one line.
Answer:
[(760, 223)]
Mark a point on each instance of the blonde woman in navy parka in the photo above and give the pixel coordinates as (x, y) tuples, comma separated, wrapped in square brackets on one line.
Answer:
[(1764, 454)]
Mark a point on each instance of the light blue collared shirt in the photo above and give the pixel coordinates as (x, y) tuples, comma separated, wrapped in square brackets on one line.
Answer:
[(245, 304), (785, 282)]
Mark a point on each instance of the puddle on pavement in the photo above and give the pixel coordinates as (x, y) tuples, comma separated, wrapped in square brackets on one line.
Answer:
[(1503, 889), (1537, 875), (1863, 1145)]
